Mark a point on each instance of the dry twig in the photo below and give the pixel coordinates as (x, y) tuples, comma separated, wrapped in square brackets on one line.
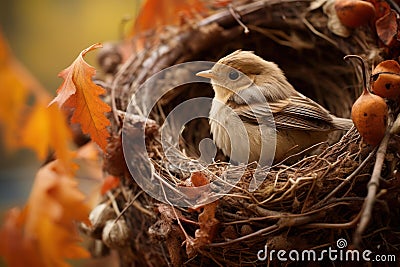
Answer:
[(373, 186)]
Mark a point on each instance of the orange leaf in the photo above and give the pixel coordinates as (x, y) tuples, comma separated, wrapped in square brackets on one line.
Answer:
[(221, 3), (199, 179), (45, 232), (36, 133), (110, 182), (12, 104), (78, 91), (46, 128), (155, 13), (13, 96), (60, 134), (13, 244)]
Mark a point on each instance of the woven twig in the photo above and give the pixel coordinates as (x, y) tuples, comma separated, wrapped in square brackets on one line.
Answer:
[(307, 204)]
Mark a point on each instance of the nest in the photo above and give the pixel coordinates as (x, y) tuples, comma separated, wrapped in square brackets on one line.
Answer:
[(309, 204)]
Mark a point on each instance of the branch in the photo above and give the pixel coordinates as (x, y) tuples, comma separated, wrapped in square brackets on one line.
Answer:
[(373, 186)]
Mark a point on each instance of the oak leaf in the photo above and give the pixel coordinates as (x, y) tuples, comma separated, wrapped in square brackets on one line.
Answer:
[(78, 91), (44, 233)]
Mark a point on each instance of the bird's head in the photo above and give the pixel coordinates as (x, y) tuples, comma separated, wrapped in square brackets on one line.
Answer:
[(242, 70)]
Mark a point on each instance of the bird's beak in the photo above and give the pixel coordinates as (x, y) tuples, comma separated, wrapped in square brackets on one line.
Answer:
[(206, 74)]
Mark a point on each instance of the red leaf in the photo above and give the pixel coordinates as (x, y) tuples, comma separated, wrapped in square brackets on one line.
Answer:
[(381, 8), (387, 28)]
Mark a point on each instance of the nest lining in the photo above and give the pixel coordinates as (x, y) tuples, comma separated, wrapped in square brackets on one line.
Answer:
[(309, 204)]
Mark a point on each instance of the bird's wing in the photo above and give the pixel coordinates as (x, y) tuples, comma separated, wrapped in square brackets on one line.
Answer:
[(297, 112)]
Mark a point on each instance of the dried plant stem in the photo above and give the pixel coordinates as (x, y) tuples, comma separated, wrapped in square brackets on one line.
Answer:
[(133, 60), (350, 224), (345, 181), (236, 16), (113, 203), (373, 186), (264, 231), (316, 32), (129, 205)]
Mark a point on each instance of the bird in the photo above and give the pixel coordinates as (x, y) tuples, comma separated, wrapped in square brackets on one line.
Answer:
[(255, 110)]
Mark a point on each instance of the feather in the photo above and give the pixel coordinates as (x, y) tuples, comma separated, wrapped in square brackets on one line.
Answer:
[(296, 112)]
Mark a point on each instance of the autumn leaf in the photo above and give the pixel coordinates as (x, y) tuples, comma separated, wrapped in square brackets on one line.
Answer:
[(79, 92), (13, 244), (12, 104), (387, 28), (155, 13), (199, 179), (381, 8), (44, 233), (109, 183), (38, 122), (13, 96), (221, 3), (207, 221), (46, 128), (41, 129), (207, 231)]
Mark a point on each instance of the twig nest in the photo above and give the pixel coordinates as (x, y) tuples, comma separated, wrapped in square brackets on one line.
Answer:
[(317, 199)]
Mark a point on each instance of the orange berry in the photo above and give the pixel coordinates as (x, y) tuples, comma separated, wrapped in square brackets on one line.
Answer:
[(369, 114), (386, 79)]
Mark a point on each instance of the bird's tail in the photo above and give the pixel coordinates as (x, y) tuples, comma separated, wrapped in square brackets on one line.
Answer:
[(342, 123)]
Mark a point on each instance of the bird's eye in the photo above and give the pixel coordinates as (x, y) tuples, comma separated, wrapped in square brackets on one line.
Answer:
[(233, 75)]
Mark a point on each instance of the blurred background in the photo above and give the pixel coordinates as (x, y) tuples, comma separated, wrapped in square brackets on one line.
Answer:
[(46, 36)]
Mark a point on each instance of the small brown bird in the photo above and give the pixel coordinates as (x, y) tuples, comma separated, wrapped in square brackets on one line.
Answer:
[(252, 92)]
